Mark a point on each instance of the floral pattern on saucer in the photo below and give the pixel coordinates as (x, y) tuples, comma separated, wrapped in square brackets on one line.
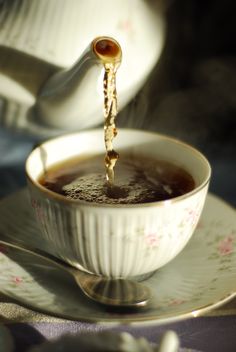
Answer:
[(200, 278)]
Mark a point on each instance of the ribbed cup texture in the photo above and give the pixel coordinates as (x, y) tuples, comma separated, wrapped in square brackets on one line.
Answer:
[(117, 242)]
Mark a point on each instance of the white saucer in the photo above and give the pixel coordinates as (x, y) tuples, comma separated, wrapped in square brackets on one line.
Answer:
[(201, 277)]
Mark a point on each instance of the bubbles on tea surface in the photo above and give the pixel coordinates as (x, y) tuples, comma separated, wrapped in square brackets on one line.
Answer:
[(132, 187), (87, 188), (94, 188), (138, 180)]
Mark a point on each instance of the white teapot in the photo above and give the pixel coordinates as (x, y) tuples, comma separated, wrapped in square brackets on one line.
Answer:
[(45, 45)]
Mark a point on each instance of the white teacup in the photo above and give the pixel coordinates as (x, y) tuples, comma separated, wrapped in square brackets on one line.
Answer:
[(117, 241)]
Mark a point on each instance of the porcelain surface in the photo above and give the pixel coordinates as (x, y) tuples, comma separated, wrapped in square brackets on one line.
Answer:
[(202, 277), (31, 53), (117, 240)]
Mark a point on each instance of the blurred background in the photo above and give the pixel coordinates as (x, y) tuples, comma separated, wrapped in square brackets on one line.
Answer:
[(192, 91), (190, 94)]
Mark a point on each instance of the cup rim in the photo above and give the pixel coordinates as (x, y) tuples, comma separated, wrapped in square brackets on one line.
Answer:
[(75, 202)]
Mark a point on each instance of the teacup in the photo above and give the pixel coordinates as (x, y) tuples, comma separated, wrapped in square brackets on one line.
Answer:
[(124, 240)]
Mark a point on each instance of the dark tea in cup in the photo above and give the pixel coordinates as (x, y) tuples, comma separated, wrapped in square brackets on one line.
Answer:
[(137, 180)]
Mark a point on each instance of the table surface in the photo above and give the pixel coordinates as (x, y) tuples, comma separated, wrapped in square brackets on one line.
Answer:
[(206, 333)]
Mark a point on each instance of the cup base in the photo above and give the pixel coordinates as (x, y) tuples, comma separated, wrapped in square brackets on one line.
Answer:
[(137, 278), (142, 277)]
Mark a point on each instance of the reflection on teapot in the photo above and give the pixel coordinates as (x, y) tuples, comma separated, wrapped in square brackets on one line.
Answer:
[(46, 44)]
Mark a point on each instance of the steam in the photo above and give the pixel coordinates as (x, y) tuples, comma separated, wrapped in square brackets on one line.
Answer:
[(191, 92), (135, 114), (200, 114)]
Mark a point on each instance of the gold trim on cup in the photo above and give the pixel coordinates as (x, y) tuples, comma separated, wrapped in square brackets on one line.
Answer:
[(63, 199)]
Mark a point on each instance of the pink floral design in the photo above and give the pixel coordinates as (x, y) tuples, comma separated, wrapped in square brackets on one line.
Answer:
[(3, 249), (200, 225), (191, 216), (126, 26), (151, 239), (176, 302), (17, 280), (38, 209), (225, 246)]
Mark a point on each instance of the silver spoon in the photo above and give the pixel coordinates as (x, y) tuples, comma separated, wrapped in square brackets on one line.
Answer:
[(111, 292)]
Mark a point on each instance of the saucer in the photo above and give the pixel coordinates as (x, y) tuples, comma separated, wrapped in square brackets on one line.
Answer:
[(200, 278)]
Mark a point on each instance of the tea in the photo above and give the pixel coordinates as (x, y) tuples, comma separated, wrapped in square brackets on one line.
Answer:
[(138, 180), (110, 53)]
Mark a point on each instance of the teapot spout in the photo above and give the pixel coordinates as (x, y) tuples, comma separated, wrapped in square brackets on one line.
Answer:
[(71, 96)]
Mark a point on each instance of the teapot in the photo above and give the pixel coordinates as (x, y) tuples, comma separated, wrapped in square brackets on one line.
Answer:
[(45, 46)]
